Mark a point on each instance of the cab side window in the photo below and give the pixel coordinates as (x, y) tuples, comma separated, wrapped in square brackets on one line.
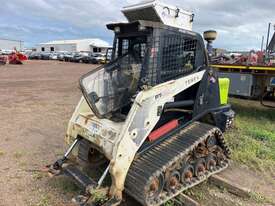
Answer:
[(178, 56)]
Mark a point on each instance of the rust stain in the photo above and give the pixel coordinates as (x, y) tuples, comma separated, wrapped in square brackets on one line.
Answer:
[(89, 116), (86, 120), (98, 140)]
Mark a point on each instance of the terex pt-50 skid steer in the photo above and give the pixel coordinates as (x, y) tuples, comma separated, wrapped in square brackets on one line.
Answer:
[(155, 115)]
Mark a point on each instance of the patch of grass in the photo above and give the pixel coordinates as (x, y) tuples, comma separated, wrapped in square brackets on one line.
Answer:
[(169, 203), (197, 193), (64, 184), (1, 153), (44, 201), (38, 175), (18, 155), (253, 139), (23, 164), (259, 198), (210, 195), (99, 197)]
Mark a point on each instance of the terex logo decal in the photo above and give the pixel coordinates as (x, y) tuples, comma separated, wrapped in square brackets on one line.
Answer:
[(191, 80), (158, 96)]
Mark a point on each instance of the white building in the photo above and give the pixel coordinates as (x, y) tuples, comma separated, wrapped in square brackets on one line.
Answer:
[(9, 44), (78, 45)]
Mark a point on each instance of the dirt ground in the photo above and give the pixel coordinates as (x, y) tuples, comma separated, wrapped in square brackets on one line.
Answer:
[(36, 102)]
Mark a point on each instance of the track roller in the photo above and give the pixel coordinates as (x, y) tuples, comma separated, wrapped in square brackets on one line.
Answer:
[(172, 181)]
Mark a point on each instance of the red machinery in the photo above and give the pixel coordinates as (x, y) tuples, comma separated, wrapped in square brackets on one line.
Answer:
[(251, 59), (16, 58)]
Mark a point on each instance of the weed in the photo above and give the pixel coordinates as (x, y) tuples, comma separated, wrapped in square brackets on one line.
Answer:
[(44, 201), (199, 195), (169, 203), (64, 184), (259, 198), (38, 175), (99, 197), (22, 164), (18, 155)]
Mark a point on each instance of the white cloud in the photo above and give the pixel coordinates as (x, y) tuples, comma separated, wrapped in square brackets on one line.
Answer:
[(240, 23)]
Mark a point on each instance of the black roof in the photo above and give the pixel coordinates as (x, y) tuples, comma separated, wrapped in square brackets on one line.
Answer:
[(151, 24)]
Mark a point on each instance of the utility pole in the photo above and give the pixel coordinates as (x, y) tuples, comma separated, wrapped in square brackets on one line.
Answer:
[(262, 45), (267, 39), (20, 45)]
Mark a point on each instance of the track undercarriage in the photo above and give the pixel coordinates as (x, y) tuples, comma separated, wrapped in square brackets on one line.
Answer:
[(180, 162)]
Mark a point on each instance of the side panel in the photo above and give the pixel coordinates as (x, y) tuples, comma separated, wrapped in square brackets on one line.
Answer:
[(208, 96), (102, 133), (141, 120), (241, 84), (208, 103)]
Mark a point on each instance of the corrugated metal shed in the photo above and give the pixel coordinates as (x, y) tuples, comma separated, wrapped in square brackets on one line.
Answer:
[(94, 42), (74, 45)]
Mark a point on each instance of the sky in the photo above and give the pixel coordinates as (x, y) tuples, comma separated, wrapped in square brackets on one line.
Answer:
[(240, 23)]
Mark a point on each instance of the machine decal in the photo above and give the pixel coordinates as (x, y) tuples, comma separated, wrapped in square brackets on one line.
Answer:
[(94, 128)]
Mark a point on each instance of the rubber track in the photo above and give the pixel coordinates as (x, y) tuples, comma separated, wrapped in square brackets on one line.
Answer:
[(155, 161)]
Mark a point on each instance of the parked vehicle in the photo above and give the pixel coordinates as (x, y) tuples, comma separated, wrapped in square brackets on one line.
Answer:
[(68, 57), (35, 55), (6, 52), (3, 59), (45, 56), (60, 56), (77, 57), (53, 56), (98, 59), (87, 59)]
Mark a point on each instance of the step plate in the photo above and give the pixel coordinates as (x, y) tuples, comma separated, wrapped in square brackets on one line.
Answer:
[(81, 179)]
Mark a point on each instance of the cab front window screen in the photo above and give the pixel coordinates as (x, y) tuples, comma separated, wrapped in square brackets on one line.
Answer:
[(110, 89)]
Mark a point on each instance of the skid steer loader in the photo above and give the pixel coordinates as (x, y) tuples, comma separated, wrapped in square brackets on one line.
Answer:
[(154, 116)]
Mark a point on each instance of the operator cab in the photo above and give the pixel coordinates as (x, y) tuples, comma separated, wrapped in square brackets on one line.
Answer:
[(145, 54)]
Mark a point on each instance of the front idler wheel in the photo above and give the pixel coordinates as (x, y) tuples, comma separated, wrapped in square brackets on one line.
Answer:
[(154, 188), (221, 158), (211, 142)]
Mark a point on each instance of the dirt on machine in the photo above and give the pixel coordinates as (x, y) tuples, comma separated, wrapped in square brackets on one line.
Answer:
[(151, 121)]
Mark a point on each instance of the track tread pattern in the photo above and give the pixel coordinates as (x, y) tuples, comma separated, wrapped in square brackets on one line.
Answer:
[(158, 159)]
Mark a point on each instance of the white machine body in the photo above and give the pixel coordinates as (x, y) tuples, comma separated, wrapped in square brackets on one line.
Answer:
[(159, 12)]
